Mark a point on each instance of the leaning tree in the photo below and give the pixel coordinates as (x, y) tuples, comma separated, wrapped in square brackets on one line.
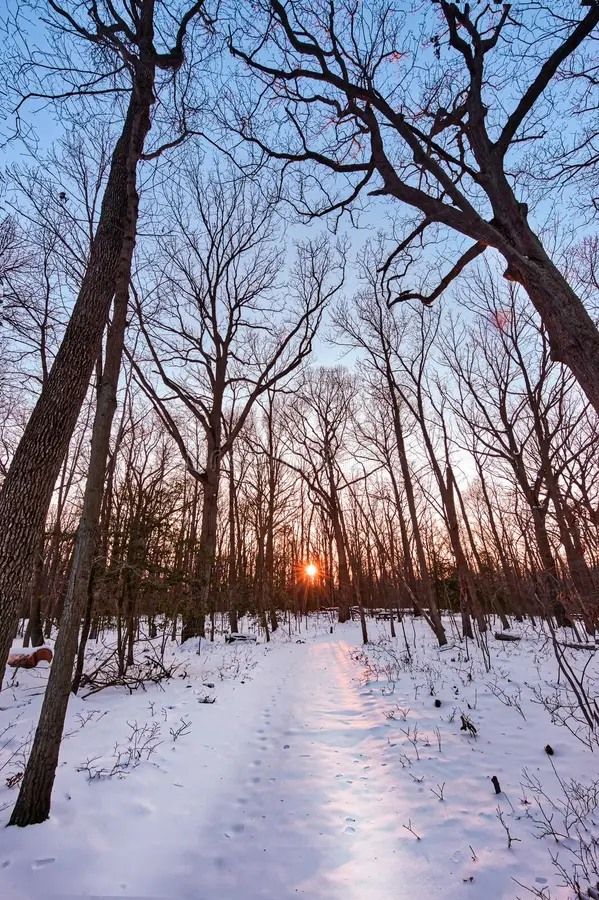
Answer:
[(133, 57), (440, 106)]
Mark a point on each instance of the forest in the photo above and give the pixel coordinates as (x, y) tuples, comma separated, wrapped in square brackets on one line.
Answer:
[(299, 391)]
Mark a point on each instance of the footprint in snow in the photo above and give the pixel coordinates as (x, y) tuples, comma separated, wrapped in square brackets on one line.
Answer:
[(40, 863)]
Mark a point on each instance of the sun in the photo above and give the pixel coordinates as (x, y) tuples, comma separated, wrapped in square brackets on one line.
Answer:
[(311, 570)]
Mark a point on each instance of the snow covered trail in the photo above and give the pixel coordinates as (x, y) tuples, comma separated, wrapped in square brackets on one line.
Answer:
[(299, 779), (279, 791), (313, 812)]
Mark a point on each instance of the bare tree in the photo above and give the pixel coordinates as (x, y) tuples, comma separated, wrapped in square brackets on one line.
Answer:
[(374, 329), (319, 428), (221, 335), (126, 49), (415, 107), (522, 408)]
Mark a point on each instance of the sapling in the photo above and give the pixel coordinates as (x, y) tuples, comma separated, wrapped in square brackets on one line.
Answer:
[(438, 791), (410, 828), (510, 838)]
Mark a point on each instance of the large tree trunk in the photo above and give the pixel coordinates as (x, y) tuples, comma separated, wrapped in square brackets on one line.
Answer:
[(573, 336), (33, 804), (115, 252), (27, 489)]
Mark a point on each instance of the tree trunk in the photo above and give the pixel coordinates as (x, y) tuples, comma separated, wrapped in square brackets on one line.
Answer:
[(573, 336), (33, 803), (84, 636), (468, 599), (269, 554), (27, 488), (34, 632), (429, 599), (342, 566), (580, 573), (232, 586), (194, 618), (550, 578)]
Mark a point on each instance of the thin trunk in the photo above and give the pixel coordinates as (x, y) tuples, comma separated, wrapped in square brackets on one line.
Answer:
[(33, 804), (428, 594), (194, 617), (34, 632), (84, 636), (342, 565), (232, 587), (27, 489)]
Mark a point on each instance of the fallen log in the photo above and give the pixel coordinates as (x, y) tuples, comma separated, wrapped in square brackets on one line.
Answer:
[(233, 637), (28, 659), (573, 645), (502, 636)]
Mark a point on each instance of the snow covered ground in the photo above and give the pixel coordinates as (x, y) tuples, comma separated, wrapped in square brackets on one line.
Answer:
[(320, 771)]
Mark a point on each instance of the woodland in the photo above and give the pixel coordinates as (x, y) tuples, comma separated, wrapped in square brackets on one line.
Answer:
[(299, 342)]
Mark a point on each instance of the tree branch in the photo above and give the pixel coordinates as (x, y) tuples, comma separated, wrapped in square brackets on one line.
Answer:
[(466, 258)]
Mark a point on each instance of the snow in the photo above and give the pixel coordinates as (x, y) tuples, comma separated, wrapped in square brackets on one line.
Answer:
[(303, 778)]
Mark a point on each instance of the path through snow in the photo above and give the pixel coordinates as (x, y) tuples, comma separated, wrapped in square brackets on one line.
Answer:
[(281, 790), (314, 810), (296, 782)]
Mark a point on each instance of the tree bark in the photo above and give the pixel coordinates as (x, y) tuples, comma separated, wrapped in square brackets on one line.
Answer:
[(194, 618), (573, 336), (33, 804), (232, 585), (27, 488)]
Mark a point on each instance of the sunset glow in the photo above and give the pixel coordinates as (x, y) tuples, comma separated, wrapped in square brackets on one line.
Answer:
[(302, 440)]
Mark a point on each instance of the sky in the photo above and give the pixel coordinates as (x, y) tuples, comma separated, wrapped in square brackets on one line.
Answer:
[(378, 215)]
